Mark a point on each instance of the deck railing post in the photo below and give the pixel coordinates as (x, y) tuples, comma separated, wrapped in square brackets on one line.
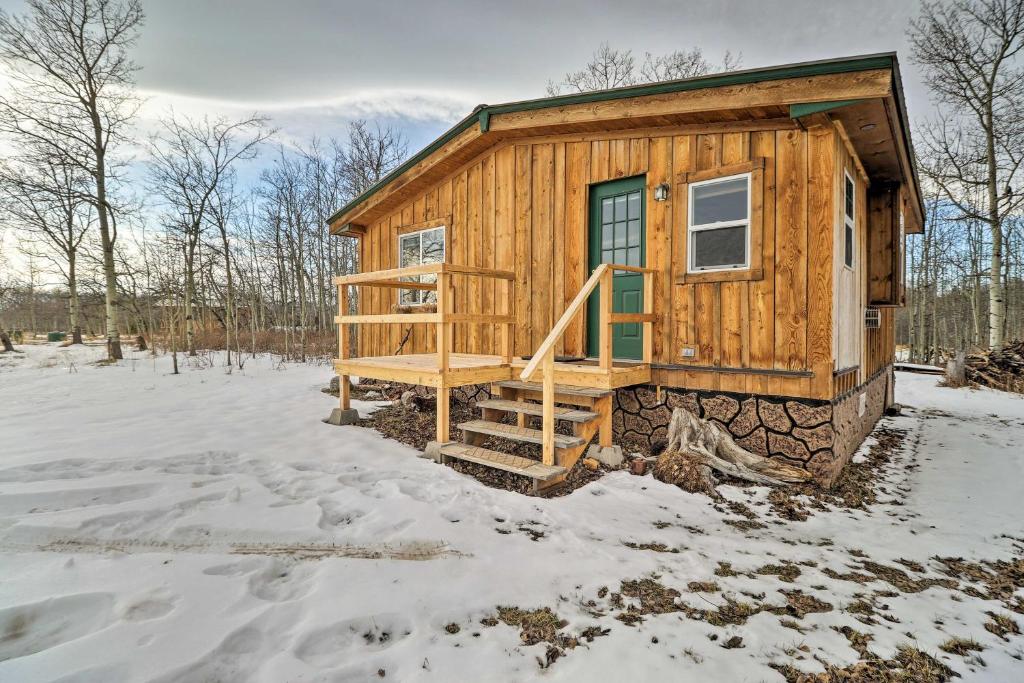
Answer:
[(548, 415), (444, 301), (648, 328), (507, 329), (604, 321), (444, 339), (343, 346)]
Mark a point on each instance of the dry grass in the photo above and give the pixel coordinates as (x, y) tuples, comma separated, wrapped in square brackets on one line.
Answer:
[(961, 646), (535, 626), (319, 345), (910, 665), (1001, 625)]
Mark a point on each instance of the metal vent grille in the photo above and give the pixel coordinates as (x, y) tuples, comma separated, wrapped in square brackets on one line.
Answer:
[(872, 318)]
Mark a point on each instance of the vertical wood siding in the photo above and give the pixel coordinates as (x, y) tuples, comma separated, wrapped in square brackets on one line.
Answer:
[(523, 207)]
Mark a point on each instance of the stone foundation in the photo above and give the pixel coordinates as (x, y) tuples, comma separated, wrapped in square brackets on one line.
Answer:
[(819, 436)]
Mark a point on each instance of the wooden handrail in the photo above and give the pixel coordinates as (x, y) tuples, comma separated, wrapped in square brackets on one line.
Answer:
[(544, 357), (443, 319), (391, 277), (575, 306), (558, 330)]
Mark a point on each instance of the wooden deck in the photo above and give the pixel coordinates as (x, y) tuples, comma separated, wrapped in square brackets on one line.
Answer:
[(467, 368), (589, 373), (425, 369)]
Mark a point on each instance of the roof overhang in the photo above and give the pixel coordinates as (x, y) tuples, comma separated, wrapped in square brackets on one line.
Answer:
[(856, 91)]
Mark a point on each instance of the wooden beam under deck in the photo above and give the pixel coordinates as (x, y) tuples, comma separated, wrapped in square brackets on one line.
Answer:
[(424, 369)]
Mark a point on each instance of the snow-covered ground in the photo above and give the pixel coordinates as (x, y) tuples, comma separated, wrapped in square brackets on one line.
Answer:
[(209, 527)]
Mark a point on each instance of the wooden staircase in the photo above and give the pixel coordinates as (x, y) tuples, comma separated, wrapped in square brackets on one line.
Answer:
[(587, 410)]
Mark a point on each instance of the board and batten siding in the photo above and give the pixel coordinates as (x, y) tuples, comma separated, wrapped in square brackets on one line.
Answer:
[(522, 206)]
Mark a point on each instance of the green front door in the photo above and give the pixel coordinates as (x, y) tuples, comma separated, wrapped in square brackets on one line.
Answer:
[(618, 235)]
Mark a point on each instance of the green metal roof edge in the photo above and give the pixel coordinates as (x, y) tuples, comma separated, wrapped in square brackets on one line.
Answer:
[(802, 109), (482, 114)]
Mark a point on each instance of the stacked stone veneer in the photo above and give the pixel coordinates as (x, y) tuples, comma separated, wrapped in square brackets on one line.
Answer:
[(819, 436)]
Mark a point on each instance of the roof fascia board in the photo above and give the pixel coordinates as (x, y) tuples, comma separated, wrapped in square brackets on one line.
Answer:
[(482, 114)]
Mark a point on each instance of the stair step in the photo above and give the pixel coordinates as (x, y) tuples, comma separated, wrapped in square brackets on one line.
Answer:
[(570, 414), (565, 389), (502, 461), (515, 433)]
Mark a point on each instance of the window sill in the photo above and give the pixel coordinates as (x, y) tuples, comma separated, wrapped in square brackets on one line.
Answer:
[(745, 275)]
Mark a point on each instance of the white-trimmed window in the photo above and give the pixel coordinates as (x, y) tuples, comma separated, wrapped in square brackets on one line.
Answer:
[(416, 249), (718, 226), (849, 202)]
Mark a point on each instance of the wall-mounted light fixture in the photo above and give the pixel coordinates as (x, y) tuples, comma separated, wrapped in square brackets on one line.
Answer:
[(661, 192)]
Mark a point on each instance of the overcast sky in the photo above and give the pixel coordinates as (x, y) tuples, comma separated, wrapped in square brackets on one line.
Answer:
[(314, 64)]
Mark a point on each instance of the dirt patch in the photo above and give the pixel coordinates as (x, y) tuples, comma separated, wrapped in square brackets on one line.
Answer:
[(654, 547), (1000, 579), (856, 487), (799, 604), (543, 625), (703, 587), (787, 571)]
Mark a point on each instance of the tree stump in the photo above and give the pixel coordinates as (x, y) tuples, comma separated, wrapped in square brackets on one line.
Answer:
[(697, 448)]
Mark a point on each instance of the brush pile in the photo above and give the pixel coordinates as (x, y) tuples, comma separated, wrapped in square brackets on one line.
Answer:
[(1001, 368)]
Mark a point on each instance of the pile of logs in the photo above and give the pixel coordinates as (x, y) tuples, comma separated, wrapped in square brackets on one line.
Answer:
[(1001, 368)]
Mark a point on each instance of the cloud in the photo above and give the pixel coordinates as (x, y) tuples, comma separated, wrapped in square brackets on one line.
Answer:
[(297, 120)]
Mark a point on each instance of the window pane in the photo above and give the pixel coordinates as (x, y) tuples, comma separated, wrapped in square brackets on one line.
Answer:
[(717, 202), (633, 257), (620, 234), (849, 197), (720, 247), (409, 297), (620, 208), (608, 256), (607, 215), (620, 256), (409, 250), (433, 246), (607, 236), (633, 205), (634, 234), (849, 246)]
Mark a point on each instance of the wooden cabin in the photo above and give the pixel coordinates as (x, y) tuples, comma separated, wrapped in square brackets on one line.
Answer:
[(731, 244)]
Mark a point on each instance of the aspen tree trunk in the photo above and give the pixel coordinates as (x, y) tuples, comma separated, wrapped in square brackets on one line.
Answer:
[(997, 300), (107, 239), (228, 313), (73, 304)]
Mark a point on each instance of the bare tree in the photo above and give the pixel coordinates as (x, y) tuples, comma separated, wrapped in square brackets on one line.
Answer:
[(190, 160), (970, 51), (369, 156), (682, 64), (45, 198), (612, 68), (72, 83)]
